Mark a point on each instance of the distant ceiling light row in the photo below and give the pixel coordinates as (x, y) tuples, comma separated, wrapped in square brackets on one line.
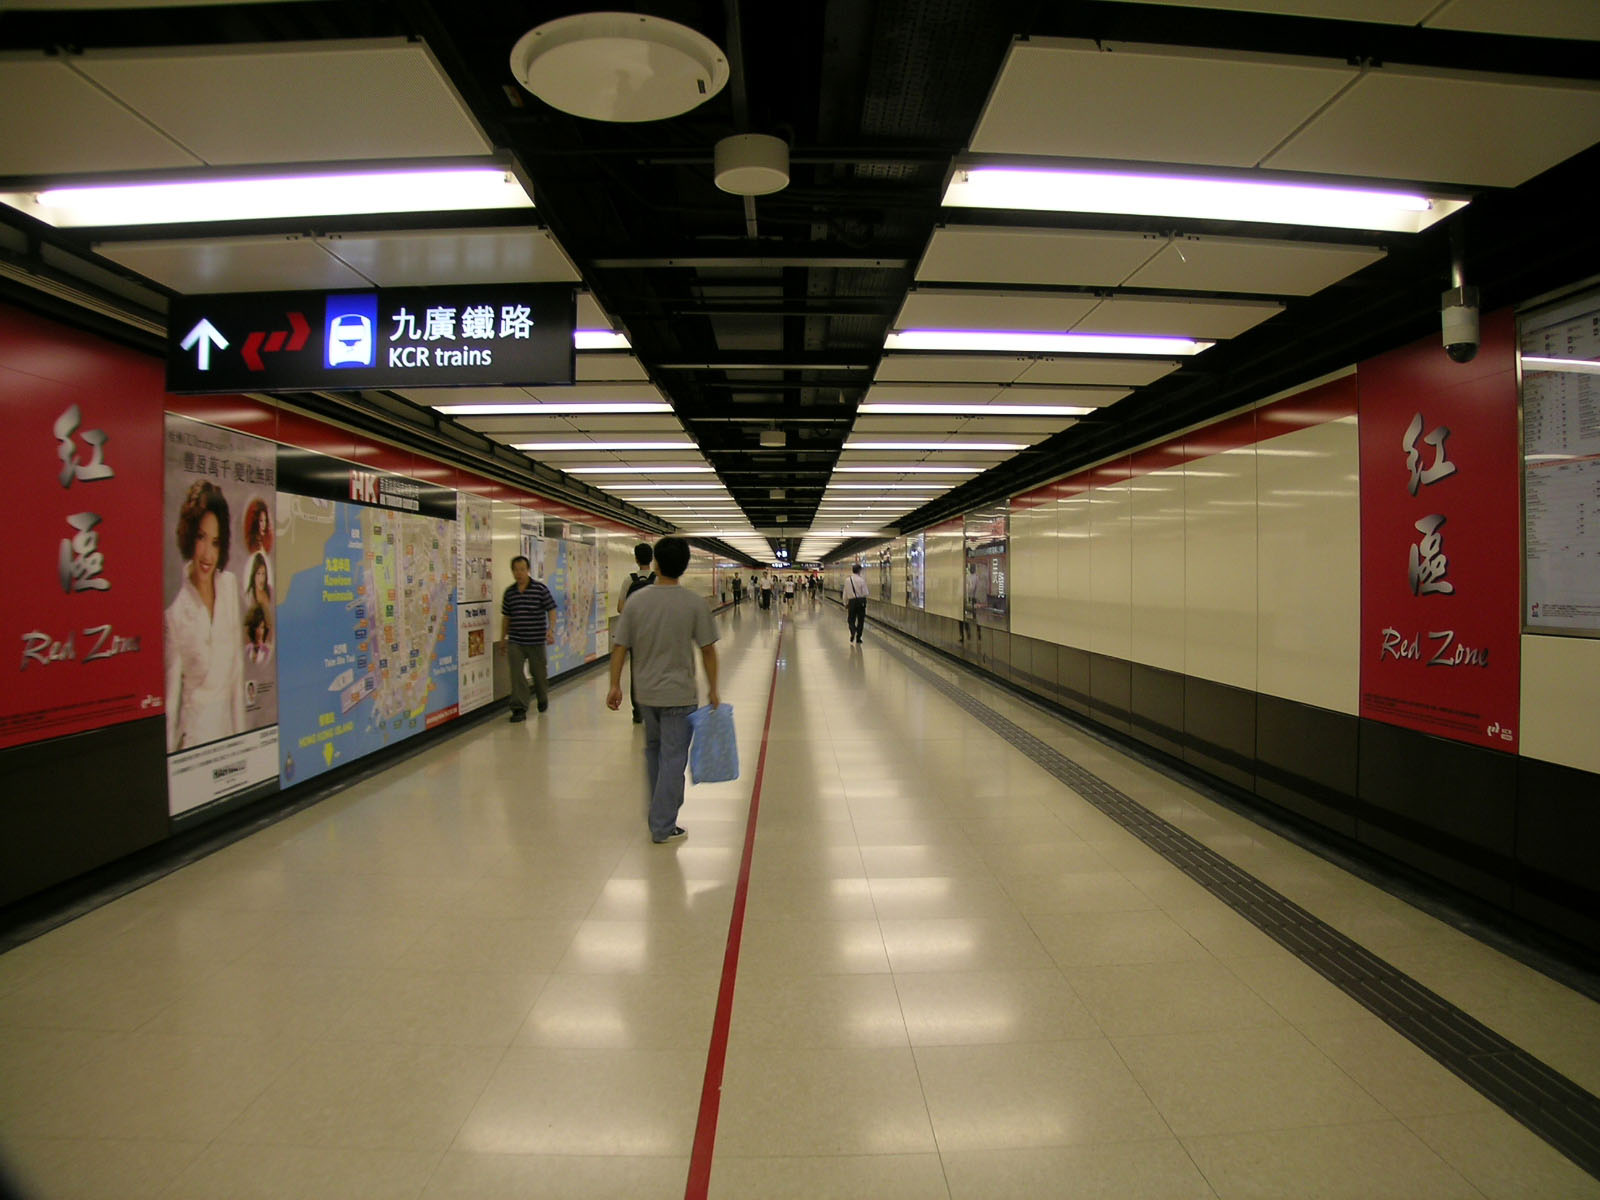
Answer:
[(623, 469), (586, 447), (908, 469), (935, 446), (975, 410), (1042, 343), (1276, 201), (575, 408), (180, 200)]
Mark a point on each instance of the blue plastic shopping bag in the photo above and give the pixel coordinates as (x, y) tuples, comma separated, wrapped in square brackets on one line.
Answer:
[(713, 748)]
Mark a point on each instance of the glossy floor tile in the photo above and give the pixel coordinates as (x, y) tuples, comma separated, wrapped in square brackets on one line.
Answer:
[(473, 976)]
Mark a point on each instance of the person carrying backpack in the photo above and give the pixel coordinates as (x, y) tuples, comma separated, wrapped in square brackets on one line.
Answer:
[(642, 578)]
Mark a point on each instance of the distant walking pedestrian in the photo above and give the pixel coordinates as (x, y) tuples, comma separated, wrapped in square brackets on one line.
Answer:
[(642, 578), (525, 627), (660, 628), (788, 590), (766, 591), (855, 602)]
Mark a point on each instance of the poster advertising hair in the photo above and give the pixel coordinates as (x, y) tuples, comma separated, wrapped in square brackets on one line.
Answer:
[(474, 541), (367, 652), (1440, 630), (572, 575), (80, 611), (219, 629), (917, 570), (987, 542)]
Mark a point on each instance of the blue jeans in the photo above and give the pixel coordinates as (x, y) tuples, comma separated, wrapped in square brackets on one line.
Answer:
[(666, 757)]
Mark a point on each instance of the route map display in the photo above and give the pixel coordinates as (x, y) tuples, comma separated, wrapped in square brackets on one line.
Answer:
[(1559, 349)]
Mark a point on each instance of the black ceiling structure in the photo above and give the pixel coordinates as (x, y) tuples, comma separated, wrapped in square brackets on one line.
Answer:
[(770, 314)]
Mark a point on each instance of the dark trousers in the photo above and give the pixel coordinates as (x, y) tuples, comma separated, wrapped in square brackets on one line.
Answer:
[(516, 655), (856, 616)]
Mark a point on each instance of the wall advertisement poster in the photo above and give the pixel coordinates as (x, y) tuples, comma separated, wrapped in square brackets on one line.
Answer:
[(474, 639), (220, 625)]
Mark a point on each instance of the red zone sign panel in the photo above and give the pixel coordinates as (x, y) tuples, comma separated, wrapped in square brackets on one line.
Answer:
[(468, 336), (1440, 611), (81, 608)]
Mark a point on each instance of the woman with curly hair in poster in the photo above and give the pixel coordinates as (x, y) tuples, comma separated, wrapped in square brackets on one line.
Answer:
[(204, 633)]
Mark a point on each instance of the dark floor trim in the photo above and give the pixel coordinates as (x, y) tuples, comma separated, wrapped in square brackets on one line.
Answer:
[(1540, 1097)]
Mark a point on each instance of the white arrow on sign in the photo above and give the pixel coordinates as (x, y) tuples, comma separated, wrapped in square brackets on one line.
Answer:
[(206, 335)]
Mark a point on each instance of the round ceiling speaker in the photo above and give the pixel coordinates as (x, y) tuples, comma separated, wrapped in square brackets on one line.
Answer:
[(618, 66), (751, 164)]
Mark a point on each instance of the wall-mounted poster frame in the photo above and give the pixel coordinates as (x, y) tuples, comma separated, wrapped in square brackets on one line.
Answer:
[(1558, 385)]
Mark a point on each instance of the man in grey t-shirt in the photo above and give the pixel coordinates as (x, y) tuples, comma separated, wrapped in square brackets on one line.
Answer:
[(661, 625)]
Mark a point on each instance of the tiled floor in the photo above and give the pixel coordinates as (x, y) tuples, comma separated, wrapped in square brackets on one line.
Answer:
[(474, 977)]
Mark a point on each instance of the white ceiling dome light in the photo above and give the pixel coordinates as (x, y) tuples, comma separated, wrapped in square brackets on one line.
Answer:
[(751, 164), (619, 66)]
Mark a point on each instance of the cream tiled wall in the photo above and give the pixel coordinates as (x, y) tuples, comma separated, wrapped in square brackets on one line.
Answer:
[(1219, 569), (946, 565), (1033, 566), (1157, 617), (1309, 585), (1560, 716), (1111, 570), (1072, 623)]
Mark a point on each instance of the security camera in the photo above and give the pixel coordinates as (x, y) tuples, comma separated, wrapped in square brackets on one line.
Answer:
[(1459, 313)]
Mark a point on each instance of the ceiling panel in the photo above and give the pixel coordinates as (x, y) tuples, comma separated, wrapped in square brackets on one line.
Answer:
[(1132, 372), (609, 366), (591, 315), (961, 393), (1570, 19), (1036, 312), (1396, 12), (57, 122), (1082, 258), (1447, 127), (1207, 264), (1177, 318), (417, 258), (535, 428), (938, 368), (871, 426), (1075, 99), (278, 263), (297, 102)]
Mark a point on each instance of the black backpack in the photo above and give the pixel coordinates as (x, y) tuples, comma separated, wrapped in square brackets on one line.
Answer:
[(637, 581)]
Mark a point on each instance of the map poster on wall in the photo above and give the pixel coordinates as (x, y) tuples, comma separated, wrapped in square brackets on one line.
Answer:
[(367, 654), (1559, 351), (1441, 646), (220, 628), (474, 567), (572, 575)]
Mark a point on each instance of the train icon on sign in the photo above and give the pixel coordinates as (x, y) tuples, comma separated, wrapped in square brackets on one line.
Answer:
[(351, 331)]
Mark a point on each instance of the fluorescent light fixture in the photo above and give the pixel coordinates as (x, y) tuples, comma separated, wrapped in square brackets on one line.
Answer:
[(599, 408), (600, 339), (1042, 343), (585, 447), (623, 469), (976, 410), (935, 446), (1581, 366), (306, 194), (623, 488), (1217, 198), (879, 487), (908, 469)]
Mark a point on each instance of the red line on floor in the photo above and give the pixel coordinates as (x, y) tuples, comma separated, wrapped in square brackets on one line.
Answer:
[(705, 1130)]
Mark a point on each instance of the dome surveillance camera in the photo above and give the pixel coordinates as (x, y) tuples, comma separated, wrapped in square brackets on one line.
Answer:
[(1459, 316)]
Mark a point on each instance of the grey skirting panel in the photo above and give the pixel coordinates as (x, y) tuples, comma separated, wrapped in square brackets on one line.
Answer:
[(1514, 832)]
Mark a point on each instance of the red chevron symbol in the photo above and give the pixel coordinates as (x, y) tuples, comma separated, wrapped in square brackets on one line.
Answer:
[(259, 343)]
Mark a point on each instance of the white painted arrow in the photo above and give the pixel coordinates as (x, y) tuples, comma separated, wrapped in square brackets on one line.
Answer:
[(207, 335)]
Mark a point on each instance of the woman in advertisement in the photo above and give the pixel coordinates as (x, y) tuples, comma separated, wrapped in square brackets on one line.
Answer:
[(203, 628), (258, 527), (258, 593)]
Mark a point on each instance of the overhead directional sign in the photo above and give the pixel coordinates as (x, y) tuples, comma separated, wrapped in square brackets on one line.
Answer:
[(490, 335)]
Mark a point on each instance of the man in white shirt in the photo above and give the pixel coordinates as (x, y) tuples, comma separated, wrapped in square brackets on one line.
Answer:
[(855, 602)]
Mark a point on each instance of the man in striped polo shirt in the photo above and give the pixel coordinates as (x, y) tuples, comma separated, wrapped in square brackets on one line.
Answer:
[(526, 630)]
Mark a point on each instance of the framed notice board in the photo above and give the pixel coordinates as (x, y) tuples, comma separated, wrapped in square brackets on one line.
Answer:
[(1558, 372)]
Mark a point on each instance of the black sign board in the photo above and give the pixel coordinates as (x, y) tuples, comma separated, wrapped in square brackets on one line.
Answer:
[(307, 473), (488, 335)]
